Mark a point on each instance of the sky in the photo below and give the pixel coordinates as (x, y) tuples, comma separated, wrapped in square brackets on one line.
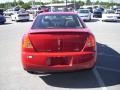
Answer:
[(2, 1)]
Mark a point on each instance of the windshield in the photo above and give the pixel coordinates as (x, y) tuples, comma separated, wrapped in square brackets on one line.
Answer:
[(57, 21), (83, 11)]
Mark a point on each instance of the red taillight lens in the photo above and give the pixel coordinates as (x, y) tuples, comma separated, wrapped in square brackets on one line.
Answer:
[(26, 44), (90, 44)]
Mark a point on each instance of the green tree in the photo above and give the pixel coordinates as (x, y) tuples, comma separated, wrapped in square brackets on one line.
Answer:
[(88, 2), (97, 2), (81, 3), (20, 2), (56, 1), (26, 6)]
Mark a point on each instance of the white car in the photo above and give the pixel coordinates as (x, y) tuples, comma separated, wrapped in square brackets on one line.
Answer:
[(109, 15), (8, 12), (20, 16), (84, 14), (118, 12)]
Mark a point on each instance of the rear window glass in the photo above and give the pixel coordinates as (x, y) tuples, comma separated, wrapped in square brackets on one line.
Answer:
[(83, 11), (118, 10), (57, 21), (109, 11)]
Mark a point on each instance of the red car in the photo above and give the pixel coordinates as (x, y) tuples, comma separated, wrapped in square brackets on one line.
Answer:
[(58, 41)]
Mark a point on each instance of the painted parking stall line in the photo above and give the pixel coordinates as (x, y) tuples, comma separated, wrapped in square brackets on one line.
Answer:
[(108, 69), (99, 79)]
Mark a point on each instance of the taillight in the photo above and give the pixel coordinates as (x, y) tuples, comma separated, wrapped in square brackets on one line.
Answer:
[(26, 44), (90, 44)]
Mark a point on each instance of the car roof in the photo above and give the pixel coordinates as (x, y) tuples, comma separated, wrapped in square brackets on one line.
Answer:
[(49, 13)]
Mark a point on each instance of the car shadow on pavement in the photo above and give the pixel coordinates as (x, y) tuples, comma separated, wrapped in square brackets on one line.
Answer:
[(6, 24), (108, 67), (112, 21), (24, 21), (92, 20)]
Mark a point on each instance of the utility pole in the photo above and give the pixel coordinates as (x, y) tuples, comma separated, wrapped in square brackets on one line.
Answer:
[(33, 3), (51, 8), (15, 2), (66, 3), (74, 4)]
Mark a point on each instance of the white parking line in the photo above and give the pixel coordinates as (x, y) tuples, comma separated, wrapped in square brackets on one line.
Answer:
[(109, 69), (99, 79)]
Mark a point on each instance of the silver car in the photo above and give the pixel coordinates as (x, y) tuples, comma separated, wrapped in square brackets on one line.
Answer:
[(84, 14)]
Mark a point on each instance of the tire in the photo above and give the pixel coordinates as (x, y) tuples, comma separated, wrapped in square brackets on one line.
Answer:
[(28, 20), (89, 19), (31, 72), (16, 20)]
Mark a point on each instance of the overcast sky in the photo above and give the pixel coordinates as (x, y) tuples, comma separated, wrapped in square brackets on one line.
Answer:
[(1, 1)]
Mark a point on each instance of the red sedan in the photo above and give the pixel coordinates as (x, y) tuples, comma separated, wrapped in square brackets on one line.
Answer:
[(58, 41)]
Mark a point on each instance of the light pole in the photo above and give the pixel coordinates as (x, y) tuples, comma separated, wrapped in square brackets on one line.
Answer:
[(74, 4), (51, 8), (66, 3)]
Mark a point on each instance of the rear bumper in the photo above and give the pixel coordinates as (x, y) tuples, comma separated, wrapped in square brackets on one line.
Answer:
[(41, 61), (86, 18), (108, 19), (23, 18)]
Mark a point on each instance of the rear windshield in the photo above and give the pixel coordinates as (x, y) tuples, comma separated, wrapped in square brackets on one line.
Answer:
[(83, 11), (57, 21), (118, 10), (109, 11)]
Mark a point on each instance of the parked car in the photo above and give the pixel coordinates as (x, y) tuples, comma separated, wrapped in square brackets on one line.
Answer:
[(58, 41), (34, 9), (10, 11), (2, 19), (84, 14), (97, 13), (110, 15), (117, 11), (20, 16)]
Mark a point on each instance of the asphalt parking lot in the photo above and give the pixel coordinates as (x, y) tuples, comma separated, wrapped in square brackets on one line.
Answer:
[(105, 76)]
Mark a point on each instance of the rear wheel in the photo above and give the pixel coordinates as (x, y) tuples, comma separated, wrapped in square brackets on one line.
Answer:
[(103, 20), (89, 19), (31, 72), (16, 20)]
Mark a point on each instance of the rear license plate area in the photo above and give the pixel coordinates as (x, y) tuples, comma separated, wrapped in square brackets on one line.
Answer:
[(58, 61)]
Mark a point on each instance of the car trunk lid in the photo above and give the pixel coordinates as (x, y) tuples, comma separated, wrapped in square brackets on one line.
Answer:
[(58, 41)]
